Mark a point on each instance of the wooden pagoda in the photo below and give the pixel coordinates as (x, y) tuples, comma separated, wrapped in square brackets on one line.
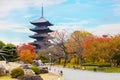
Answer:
[(41, 35)]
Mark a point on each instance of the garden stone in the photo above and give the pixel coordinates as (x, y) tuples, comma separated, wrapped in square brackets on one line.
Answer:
[(29, 72), (37, 62), (30, 77), (2, 70), (25, 66)]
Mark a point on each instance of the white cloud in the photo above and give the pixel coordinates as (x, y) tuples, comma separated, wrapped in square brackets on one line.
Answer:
[(80, 23), (19, 42), (14, 27), (71, 19), (16, 40), (112, 29), (71, 26), (115, 5), (117, 9), (8, 5)]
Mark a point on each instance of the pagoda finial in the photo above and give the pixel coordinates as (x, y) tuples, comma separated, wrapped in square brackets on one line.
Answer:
[(42, 10)]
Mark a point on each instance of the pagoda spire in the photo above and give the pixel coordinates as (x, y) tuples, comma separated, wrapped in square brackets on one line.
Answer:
[(42, 11)]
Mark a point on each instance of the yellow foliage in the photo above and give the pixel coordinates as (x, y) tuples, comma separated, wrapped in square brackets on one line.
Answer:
[(73, 61), (62, 61)]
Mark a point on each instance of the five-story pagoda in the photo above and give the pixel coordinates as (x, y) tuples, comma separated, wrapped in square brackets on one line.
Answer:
[(41, 35)]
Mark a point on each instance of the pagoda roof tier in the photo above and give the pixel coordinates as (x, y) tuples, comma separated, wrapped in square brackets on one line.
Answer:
[(42, 30), (41, 43), (33, 43), (41, 21), (39, 36)]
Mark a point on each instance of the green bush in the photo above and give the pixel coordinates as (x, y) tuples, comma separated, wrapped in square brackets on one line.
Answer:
[(35, 69), (45, 60), (29, 77), (17, 72)]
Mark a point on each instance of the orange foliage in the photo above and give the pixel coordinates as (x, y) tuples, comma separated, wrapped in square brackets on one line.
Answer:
[(26, 53), (96, 48)]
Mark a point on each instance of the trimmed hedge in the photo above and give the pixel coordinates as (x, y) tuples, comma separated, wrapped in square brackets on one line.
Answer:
[(17, 72), (99, 65), (35, 69)]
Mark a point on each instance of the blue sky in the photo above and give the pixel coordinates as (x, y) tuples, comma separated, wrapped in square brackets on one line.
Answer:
[(96, 16)]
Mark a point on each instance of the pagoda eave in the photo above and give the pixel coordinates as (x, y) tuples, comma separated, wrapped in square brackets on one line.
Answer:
[(42, 23), (36, 37), (41, 30)]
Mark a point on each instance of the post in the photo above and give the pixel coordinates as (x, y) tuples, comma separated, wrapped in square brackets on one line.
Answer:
[(50, 60)]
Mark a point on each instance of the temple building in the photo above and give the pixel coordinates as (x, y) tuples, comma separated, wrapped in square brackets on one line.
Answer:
[(41, 35)]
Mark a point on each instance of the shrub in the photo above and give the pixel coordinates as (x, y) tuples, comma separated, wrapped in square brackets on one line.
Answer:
[(35, 69), (30, 77), (17, 72)]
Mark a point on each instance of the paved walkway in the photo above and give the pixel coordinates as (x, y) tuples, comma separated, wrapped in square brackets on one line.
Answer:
[(10, 65), (71, 74)]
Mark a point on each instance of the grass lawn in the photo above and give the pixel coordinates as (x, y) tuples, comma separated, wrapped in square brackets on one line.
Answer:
[(6, 78), (101, 69), (104, 69), (49, 76)]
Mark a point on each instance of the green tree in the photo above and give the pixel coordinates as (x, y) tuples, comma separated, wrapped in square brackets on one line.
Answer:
[(43, 56), (10, 50), (2, 44)]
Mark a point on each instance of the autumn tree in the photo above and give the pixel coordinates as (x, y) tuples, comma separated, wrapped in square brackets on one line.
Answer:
[(26, 53), (56, 54), (96, 49), (60, 38), (115, 50), (74, 44)]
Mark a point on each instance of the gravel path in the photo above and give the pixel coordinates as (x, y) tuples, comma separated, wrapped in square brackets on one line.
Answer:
[(71, 74)]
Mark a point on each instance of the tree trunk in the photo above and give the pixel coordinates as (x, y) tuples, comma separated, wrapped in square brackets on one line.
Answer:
[(64, 65), (80, 59)]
